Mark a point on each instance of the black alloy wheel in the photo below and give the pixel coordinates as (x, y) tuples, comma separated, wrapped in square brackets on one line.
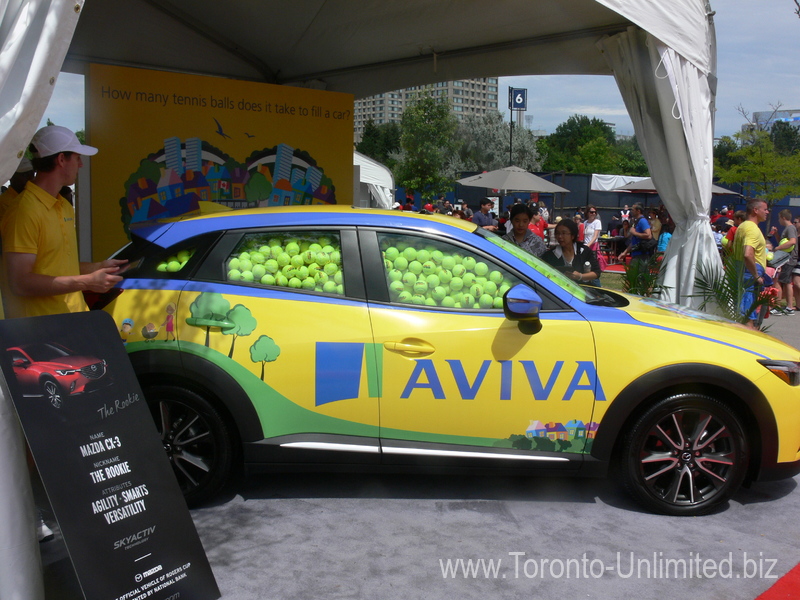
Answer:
[(53, 392), (197, 440), (685, 455)]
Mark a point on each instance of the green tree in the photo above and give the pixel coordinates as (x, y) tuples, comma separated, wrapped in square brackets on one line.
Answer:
[(381, 142), (558, 149), (630, 158), (427, 140), (521, 443), (757, 163), (544, 444), (483, 145), (724, 152), (257, 188), (208, 310), (243, 324), (264, 350), (785, 137)]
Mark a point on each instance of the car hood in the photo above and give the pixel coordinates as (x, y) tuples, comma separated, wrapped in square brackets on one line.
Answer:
[(703, 325), (70, 362)]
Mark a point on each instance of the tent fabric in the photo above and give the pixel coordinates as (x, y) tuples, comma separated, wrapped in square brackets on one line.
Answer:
[(646, 185), (34, 38), (512, 179), (671, 104), (611, 183), (378, 179)]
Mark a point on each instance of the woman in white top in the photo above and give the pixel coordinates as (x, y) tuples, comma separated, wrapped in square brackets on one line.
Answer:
[(591, 228)]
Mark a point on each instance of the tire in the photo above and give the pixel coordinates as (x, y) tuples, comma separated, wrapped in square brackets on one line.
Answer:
[(685, 455), (196, 438), (53, 392)]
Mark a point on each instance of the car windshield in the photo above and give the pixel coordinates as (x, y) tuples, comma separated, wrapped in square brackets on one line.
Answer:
[(46, 352), (582, 293)]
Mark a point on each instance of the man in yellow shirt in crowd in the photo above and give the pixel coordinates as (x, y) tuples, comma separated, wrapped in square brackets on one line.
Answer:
[(23, 175), (40, 248), (750, 246)]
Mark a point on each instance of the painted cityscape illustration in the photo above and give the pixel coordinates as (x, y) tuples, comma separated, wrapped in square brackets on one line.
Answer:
[(171, 181)]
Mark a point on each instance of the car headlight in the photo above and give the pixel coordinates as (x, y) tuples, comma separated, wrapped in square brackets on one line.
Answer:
[(787, 370), (65, 372)]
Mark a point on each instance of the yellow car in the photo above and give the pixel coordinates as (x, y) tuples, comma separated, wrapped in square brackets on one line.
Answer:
[(384, 339)]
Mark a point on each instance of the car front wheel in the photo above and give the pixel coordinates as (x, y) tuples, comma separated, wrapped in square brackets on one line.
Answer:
[(197, 440), (52, 391), (685, 455)]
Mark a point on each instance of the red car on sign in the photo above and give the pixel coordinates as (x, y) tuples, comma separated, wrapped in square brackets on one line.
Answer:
[(52, 370)]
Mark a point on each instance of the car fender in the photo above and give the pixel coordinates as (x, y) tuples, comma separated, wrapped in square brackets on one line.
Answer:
[(680, 377), (201, 373)]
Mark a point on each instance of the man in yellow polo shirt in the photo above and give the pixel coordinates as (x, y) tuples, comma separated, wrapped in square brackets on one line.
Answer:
[(750, 246), (23, 175), (40, 247)]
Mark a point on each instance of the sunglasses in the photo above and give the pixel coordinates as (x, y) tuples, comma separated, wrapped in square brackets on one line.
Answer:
[(592, 212)]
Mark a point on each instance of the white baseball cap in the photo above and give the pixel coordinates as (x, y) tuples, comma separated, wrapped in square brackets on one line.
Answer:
[(53, 139), (24, 166)]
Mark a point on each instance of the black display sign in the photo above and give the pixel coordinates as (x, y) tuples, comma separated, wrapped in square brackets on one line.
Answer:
[(113, 492)]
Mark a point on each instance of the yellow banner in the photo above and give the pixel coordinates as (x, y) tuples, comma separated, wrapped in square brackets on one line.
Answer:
[(169, 142)]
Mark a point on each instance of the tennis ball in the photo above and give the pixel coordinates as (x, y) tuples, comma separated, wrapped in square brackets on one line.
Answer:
[(323, 258), (259, 271), (340, 289), (396, 287), (468, 279), (458, 270), (185, 255), (257, 258), (430, 302), (448, 302), (297, 260), (331, 269), (423, 255), (448, 262), (292, 248), (302, 273), (247, 276), (457, 297), (770, 256), (401, 245), (445, 276), (468, 301), (245, 264), (308, 283), (469, 263), (324, 240), (438, 293), (244, 255), (490, 287), (294, 282), (304, 245), (456, 284), (476, 290), (401, 263), (485, 301), (391, 253), (418, 299), (498, 303), (501, 291), (283, 259), (315, 247), (329, 287), (429, 267), (409, 279), (281, 280), (432, 280), (173, 266), (276, 251), (438, 257), (309, 256), (337, 277), (481, 268), (336, 257), (410, 253), (234, 275), (395, 275), (496, 277), (320, 277), (273, 265), (481, 281), (405, 297), (421, 287), (415, 267), (289, 271), (272, 242)]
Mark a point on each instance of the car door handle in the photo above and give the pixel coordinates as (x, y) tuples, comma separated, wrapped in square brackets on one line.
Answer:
[(410, 346)]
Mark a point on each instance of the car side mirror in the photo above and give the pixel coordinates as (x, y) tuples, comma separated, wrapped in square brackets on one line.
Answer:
[(522, 304), (20, 362)]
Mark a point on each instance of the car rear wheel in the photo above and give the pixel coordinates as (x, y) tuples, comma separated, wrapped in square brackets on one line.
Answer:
[(53, 392), (685, 456), (196, 439)]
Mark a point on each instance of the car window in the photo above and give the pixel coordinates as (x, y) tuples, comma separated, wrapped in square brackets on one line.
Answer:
[(424, 271), (149, 260), (304, 260)]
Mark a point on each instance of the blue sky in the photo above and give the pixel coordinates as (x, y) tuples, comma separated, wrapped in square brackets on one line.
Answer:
[(758, 66)]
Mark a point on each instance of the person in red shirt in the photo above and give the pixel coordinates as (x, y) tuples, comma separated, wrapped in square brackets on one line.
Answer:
[(738, 217), (538, 225), (579, 220)]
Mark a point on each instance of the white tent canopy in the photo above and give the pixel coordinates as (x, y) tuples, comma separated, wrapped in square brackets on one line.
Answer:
[(376, 183)]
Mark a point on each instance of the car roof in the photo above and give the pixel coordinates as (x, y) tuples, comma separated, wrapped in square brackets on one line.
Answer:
[(166, 234)]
